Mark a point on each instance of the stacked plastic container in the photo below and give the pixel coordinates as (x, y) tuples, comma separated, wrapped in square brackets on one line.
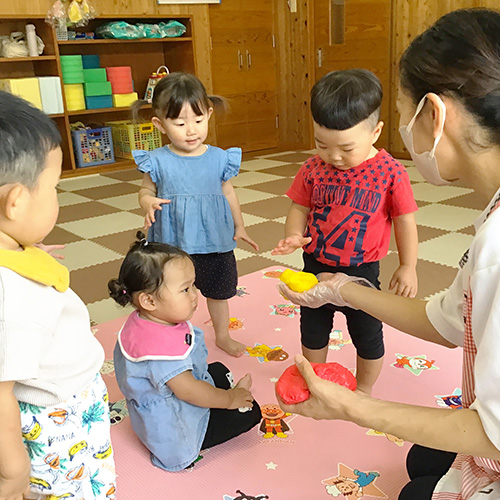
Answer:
[(73, 78), (122, 85)]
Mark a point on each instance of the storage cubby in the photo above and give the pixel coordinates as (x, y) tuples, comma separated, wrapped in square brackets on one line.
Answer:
[(143, 55)]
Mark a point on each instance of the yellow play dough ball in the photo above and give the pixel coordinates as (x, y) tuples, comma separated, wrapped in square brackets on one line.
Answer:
[(298, 281)]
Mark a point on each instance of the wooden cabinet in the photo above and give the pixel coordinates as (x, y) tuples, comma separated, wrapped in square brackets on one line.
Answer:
[(355, 34), (244, 72), (143, 55), (410, 18)]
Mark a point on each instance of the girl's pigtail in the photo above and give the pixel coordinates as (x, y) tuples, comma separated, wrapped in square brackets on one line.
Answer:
[(119, 293), (219, 103), (136, 107)]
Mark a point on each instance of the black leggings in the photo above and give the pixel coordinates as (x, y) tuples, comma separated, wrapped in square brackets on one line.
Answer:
[(227, 424), (425, 467)]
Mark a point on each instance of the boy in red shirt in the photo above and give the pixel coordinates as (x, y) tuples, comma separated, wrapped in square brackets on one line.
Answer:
[(344, 200)]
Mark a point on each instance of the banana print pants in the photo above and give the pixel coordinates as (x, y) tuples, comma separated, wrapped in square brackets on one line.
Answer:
[(70, 448)]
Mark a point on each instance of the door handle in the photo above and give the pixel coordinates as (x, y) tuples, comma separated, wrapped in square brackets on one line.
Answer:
[(240, 60), (249, 60)]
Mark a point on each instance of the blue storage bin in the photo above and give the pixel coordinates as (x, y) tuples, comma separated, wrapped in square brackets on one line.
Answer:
[(93, 146), (91, 61), (98, 101)]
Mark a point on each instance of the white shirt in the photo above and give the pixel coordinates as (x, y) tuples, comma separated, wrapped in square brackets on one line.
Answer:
[(468, 315), (46, 344)]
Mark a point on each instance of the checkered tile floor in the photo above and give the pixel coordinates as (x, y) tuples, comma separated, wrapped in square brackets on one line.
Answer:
[(99, 218)]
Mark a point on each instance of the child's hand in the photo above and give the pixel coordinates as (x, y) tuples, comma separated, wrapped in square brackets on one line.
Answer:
[(290, 244), (240, 398), (150, 204), (14, 483), (50, 249), (404, 281), (241, 234)]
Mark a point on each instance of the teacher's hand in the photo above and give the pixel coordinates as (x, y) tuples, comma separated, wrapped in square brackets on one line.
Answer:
[(328, 401)]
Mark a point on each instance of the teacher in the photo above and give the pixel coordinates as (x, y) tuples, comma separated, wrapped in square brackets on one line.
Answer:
[(449, 102)]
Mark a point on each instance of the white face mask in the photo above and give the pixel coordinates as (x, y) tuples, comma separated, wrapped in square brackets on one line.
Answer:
[(425, 162)]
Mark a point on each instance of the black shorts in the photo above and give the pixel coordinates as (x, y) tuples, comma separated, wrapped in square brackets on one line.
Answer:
[(365, 330), (216, 274)]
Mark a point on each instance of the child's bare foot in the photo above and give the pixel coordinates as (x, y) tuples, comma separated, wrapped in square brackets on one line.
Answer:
[(245, 382), (232, 347)]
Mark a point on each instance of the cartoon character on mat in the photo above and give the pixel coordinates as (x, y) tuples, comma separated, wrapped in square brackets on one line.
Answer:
[(273, 274), (353, 483), (243, 496), (337, 340), (241, 291), (288, 310), (414, 364), (273, 423), (453, 401), (234, 323), (108, 368), (390, 437), (265, 353), (118, 411)]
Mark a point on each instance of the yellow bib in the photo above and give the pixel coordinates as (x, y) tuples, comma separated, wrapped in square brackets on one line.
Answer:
[(36, 265)]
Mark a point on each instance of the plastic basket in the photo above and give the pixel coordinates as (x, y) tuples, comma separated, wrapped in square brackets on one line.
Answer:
[(61, 32), (93, 146), (128, 136)]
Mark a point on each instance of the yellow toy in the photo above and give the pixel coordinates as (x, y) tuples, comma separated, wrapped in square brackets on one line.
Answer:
[(298, 281)]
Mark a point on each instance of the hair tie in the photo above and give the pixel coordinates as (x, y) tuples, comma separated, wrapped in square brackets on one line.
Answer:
[(144, 242), (124, 291)]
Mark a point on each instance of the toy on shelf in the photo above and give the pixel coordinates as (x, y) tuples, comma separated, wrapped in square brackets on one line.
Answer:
[(65, 13), (298, 281), (154, 78), (292, 388)]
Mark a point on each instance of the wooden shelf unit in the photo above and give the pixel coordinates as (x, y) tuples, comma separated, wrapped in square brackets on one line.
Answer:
[(143, 55)]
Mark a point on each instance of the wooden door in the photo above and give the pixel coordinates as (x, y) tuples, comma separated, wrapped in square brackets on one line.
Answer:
[(355, 34), (260, 76), (243, 71)]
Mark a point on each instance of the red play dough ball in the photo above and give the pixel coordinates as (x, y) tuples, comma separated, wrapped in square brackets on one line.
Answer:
[(292, 388)]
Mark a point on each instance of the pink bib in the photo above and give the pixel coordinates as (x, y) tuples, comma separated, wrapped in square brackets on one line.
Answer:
[(142, 340)]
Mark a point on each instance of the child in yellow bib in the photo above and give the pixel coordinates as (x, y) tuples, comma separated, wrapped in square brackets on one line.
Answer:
[(55, 429)]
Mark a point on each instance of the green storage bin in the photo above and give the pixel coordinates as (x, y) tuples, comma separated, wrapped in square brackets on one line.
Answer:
[(94, 75), (97, 88)]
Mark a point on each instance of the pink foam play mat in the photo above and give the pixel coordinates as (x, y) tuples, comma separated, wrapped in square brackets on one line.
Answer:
[(302, 459)]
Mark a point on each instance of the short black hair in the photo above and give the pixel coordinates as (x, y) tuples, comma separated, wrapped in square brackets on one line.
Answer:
[(142, 269), (342, 99), (27, 135)]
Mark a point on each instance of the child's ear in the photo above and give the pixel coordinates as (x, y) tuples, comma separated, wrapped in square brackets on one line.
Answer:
[(12, 199), (158, 124), (209, 112), (377, 131), (146, 301)]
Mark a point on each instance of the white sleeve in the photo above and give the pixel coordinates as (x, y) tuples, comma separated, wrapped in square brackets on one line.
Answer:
[(445, 312)]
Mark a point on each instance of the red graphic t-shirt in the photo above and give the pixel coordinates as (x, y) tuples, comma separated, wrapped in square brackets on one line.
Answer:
[(352, 210)]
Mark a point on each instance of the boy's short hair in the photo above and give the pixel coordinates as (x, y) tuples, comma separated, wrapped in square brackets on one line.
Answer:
[(27, 135), (342, 99)]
